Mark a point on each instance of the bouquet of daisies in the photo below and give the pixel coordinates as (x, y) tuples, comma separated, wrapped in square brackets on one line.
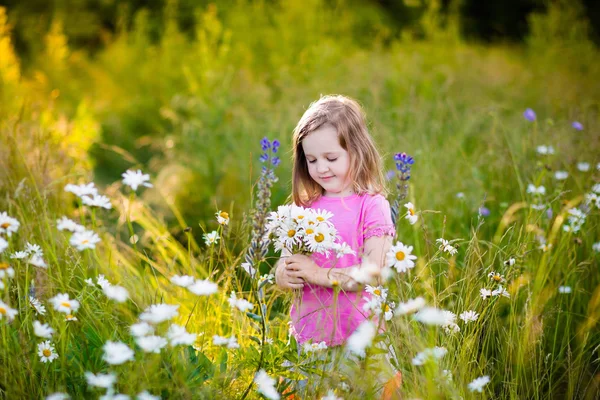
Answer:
[(302, 230)]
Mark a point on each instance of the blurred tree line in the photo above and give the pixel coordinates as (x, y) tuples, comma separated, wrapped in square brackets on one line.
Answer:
[(90, 23)]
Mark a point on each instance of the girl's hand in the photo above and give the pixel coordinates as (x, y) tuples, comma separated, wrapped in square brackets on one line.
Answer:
[(284, 280), (301, 266)]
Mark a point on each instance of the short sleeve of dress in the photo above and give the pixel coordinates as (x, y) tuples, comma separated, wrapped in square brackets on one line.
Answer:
[(377, 217)]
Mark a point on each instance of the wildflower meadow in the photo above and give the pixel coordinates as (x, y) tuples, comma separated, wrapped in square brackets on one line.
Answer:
[(144, 204)]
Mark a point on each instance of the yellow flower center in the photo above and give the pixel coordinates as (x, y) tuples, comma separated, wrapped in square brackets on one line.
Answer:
[(300, 217), (311, 223), (387, 308), (377, 292), (5, 225), (223, 214), (497, 278), (85, 241), (3, 311), (320, 219), (47, 353), (411, 211), (400, 256), (70, 316), (4, 266), (291, 233), (309, 231), (319, 237), (335, 283), (65, 304)]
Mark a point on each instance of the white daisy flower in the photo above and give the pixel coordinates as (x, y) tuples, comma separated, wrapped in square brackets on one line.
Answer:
[(478, 384), (367, 273), (89, 282), (361, 338), (496, 277), (545, 150), (211, 238), (7, 312), (411, 306), (117, 353), (6, 271), (266, 385), (460, 195), (583, 166), (377, 291), (37, 306), (246, 266), (62, 303), (82, 240), (18, 255), (102, 281), (203, 287), (561, 175), (545, 247), (241, 304), (34, 249), (411, 215), (37, 261), (116, 293), (222, 217), (151, 344), (399, 256), (158, 313), (431, 316), (46, 352), (536, 190), (42, 330), (141, 329), (179, 336), (313, 347), (321, 240), (230, 342), (446, 246), (145, 395), (485, 293), (183, 281), (500, 292), (58, 396), (70, 318), (596, 247), (341, 249), (97, 201), (469, 316), (8, 225), (82, 190), (433, 354), (66, 224), (105, 381), (289, 233), (510, 262), (322, 215), (447, 375), (564, 289), (135, 179), (3, 244)]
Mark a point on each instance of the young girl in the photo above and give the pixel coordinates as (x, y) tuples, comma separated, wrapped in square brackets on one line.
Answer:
[(336, 167)]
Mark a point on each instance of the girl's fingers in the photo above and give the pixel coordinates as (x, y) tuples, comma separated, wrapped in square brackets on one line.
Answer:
[(296, 286)]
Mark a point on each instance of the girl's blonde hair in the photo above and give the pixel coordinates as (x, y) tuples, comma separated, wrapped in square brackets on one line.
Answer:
[(347, 117)]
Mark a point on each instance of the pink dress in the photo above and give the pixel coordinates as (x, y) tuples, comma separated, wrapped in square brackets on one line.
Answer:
[(315, 315)]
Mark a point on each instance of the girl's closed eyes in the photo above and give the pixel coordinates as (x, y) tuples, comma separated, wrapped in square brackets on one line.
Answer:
[(313, 161)]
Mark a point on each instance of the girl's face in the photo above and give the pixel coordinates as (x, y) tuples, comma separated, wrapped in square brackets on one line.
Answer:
[(328, 163)]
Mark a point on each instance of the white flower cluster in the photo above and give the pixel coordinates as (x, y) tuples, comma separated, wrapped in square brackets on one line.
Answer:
[(377, 303), (575, 220), (89, 195), (198, 287), (304, 230)]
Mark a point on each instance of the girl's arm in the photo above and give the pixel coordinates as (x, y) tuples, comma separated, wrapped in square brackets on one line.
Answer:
[(301, 266), (282, 279)]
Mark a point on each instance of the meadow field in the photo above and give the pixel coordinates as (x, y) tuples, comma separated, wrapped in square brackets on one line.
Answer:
[(115, 285)]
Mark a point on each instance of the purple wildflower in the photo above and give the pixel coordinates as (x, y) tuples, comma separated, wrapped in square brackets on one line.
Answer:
[(275, 161), (265, 144), (275, 145), (484, 211), (264, 157), (529, 115), (390, 174), (577, 125), (403, 165), (549, 213)]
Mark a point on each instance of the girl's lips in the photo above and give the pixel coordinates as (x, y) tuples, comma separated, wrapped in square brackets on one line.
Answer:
[(329, 177)]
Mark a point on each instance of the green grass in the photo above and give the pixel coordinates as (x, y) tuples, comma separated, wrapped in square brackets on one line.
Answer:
[(191, 110)]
